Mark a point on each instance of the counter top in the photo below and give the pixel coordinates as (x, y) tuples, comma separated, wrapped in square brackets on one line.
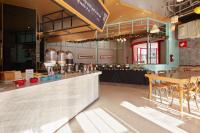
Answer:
[(45, 107), (8, 86)]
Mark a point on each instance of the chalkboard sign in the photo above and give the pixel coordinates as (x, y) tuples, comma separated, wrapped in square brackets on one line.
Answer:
[(91, 11)]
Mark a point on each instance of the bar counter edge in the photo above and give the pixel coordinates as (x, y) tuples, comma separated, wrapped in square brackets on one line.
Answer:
[(48, 106)]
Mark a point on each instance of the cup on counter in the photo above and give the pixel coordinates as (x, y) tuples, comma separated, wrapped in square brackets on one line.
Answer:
[(58, 76), (20, 82), (33, 80), (44, 78), (52, 77)]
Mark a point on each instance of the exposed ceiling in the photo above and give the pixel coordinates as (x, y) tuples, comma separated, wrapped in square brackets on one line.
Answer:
[(119, 11), (42, 6), (122, 11)]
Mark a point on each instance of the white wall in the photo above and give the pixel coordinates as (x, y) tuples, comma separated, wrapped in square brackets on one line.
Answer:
[(191, 54), (105, 48)]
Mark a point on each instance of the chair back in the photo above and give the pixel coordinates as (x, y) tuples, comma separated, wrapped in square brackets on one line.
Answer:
[(192, 85)]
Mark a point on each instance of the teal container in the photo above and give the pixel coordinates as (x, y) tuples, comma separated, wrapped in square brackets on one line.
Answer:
[(44, 79), (57, 76), (51, 77)]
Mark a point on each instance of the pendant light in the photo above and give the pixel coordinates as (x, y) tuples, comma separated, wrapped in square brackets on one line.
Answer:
[(155, 29), (179, 0), (174, 19), (197, 10)]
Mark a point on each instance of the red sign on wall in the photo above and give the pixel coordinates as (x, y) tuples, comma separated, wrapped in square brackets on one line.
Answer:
[(183, 44)]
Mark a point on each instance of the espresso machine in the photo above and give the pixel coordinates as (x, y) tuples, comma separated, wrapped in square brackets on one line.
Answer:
[(61, 61), (69, 62), (50, 60)]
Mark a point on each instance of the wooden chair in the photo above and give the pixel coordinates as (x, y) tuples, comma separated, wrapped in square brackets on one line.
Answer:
[(160, 86), (191, 90)]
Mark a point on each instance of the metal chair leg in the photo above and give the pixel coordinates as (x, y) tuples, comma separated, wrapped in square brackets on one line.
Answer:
[(172, 98), (155, 92), (188, 100), (195, 98), (166, 91), (160, 95)]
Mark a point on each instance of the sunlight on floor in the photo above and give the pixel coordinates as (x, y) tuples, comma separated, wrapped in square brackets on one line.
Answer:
[(65, 129), (53, 126), (165, 121), (167, 108), (193, 107), (97, 120)]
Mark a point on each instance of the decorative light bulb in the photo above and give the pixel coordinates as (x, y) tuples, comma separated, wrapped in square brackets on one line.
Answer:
[(179, 0)]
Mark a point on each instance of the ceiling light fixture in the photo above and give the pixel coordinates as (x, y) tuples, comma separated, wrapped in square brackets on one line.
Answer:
[(197, 10), (121, 40), (174, 19), (155, 29), (179, 0), (173, 27)]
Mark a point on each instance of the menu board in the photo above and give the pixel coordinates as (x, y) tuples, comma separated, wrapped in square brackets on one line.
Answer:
[(92, 12)]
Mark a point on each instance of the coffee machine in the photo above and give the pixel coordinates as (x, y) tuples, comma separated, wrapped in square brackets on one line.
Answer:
[(50, 60), (69, 62), (61, 61)]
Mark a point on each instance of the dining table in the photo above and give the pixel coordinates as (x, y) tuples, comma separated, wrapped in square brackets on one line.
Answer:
[(180, 78)]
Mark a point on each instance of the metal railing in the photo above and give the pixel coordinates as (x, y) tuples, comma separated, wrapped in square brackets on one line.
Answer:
[(137, 26), (181, 8)]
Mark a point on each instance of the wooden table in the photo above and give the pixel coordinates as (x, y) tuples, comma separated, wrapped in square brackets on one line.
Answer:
[(179, 78)]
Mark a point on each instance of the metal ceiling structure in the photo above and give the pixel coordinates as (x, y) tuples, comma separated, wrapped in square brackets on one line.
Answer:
[(181, 9), (138, 26), (63, 22)]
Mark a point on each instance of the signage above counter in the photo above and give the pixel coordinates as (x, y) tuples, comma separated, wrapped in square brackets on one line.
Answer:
[(92, 12)]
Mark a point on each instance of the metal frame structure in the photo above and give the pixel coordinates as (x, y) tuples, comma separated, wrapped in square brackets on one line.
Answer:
[(62, 17), (181, 8), (136, 26)]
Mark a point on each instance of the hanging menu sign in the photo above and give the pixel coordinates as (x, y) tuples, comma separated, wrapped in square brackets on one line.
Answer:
[(92, 12)]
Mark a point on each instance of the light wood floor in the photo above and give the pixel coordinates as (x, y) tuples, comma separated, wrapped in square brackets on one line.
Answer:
[(125, 108)]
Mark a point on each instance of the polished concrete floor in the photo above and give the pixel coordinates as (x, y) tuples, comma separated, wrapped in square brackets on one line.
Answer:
[(125, 108)]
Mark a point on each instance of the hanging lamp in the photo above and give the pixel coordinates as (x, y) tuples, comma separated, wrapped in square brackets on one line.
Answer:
[(179, 0), (197, 10), (155, 29)]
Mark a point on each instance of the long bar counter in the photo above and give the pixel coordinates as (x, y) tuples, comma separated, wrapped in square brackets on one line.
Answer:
[(45, 107)]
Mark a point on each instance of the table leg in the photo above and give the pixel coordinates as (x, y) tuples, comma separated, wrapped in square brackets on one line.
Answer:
[(150, 89), (181, 99)]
